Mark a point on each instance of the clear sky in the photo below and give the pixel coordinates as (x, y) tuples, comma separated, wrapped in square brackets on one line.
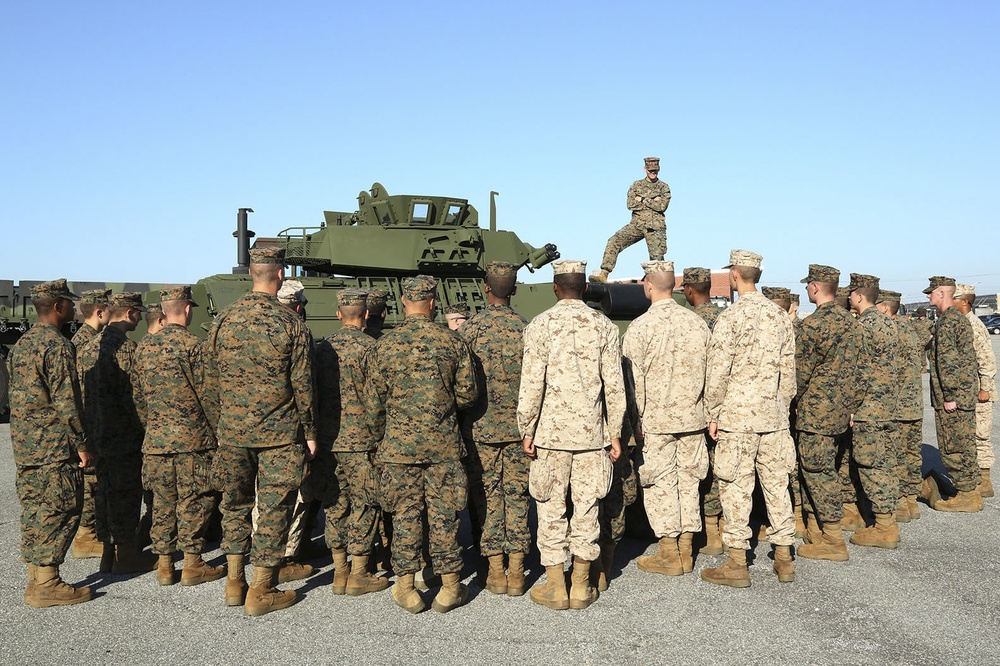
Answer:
[(861, 135)]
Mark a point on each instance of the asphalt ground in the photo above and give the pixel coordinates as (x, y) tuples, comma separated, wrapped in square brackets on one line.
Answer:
[(934, 600)]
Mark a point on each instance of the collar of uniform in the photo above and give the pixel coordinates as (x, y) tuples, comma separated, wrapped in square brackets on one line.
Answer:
[(828, 304), (874, 312), (350, 327), (263, 295), (416, 316), (665, 303), (173, 325)]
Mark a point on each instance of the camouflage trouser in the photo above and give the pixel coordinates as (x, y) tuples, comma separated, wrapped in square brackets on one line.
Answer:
[(772, 456), (350, 500), (622, 494), (821, 482), (477, 492), (710, 504), (504, 478), (909, 435), (670, 469), (118, 502), (271, 476), (848, 489), (629, 235), (956, 436), (181, 484), (872, 452), (88, 517), (586, 477), (406, 491), (51, 497), (984, 429)]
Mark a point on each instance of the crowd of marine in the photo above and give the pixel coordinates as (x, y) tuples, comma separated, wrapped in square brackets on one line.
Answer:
[(395, 433)]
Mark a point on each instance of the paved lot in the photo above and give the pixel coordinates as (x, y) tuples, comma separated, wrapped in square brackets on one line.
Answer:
[(932, 601)]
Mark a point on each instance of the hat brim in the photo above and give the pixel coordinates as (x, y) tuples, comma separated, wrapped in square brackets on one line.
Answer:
[(929, 290)]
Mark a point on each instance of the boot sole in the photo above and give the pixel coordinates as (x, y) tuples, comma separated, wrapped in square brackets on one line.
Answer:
[(338, 589), (658, 570), (164, 581), (48, 603), (554, 605), (190, 582), (235, 601), (727, 582), (86, 554), (890, 545), (828, 557), (497, 589), (257, 611), (785, 578), (579, 604), (358, 591), (515, 591), (711, 550), (441, 608)]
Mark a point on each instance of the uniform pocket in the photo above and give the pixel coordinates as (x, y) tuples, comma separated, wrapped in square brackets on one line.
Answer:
[(728, 454), (542, 477)]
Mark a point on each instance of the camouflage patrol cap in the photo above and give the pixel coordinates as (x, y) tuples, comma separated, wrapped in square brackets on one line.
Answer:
[(95, 297), (54, 289), (776, 293), (744, 258), (964, 290), (128, 299), (267, 255), (696, 275), (352, 297), (501, 268), (460, 308), (657, 267), (154, 309), (842, 292), (820, 273), (652, 163), (568, 266), (419, 288), (291, 292), (860, 280), (177, 294), (921, 312), (794, 298), (376, 300), (887, 296), (939, 281)]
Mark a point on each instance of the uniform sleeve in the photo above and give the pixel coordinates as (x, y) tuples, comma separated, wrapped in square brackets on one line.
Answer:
[(138, 392), (985, 357), (466, 387), (660, 202), (633, 200), (376, 393), (787, 378), (302, 380), (806, 356), (206, 390), (614, 385), (210, 357), (64, 392), (532, 390), (721, 352), (633, 366)]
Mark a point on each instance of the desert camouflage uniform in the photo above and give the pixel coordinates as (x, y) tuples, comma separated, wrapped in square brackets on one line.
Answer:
[(955, 378), (47, 433), (88, 517), (260, 364), (987, 361), (826, 365), (910, 410), (344, 464), (420, 375), (177, 451), (494, 336), (750, 382), (667, 350), (571, 401), (648, 201)]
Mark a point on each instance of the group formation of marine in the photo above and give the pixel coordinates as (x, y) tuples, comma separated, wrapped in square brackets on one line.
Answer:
[(396, 432)]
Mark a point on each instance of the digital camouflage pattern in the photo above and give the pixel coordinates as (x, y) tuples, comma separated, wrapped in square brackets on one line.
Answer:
[(83, 335), (622, 493), (503, 470), (955, 378), (347, 483), (671, 468), (772, 457), (183, 499), (85, 362), (51, 497), (709, 313), (342, 422), (987, 361), (910, 410), (880, 375)]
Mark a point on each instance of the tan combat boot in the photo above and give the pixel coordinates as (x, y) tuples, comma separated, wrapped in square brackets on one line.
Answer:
[(685, 545), (406, 596), (911, 504), (599, 277), (883, 534), (553, 593), (666, 561), (800, 523), (930, 491), (830, 547), (733, 573), (581, 593), (783, 564), (197, 571), (341, 571), (263, 597), (451, 595), (165, 570), (902, 513), (713, 536), (361, 581), (291, 570), (603, 570), (46, 588), (985, 485), (496, 577), (966, 501), (129, 559), (813, 532), (515, 575), (236, 582), (853, 519), (86, 545)]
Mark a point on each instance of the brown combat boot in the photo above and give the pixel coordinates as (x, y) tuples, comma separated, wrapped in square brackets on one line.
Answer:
[(361, 581), (263, 597), (291, 570), (165, 570), (599, 277), (46, 588), (406, 596), (515, 575), (685, 545), (553, 593), (197, 571), (985, 487), (883, 534), (236, 582), (603, 568), (930, 491), (902, 512), (496, 577), (813, 532), (966, 501), (913, 506), (341, 571), (830, 547), (581, 593), (86, 545), (713, 536), (666, 561), (853, 519), (451, 595), (783, 564), (129, 559), (733, 573)]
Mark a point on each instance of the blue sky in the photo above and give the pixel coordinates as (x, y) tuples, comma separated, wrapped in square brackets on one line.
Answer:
[(856, 134)]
